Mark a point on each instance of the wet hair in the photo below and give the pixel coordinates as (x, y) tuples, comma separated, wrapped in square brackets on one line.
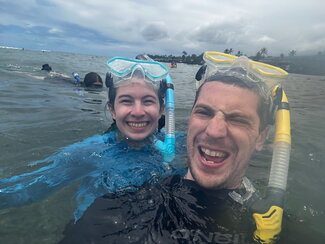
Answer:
[(264, 106), (46, 67), (92, 78)]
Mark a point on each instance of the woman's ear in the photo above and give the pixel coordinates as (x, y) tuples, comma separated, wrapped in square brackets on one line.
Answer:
[(261, 139), (111, 110)]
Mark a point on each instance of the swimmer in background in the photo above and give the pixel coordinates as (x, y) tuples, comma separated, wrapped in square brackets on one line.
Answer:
[(46, 67), (91, 80), (104, 163)]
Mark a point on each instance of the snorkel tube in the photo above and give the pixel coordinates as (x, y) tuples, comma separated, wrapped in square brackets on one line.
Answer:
[(166, 147), (77, 77), (268, 212)]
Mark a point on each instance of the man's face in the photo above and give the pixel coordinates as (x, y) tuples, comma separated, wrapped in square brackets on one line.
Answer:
[(223, 133)]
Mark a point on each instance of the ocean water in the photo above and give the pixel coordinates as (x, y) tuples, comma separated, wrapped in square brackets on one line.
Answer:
[(40, 113)]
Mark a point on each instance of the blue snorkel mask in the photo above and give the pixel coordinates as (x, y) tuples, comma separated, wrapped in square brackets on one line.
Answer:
[(123, 69)]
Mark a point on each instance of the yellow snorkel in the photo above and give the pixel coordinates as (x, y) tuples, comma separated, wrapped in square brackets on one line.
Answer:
[(267, 212)]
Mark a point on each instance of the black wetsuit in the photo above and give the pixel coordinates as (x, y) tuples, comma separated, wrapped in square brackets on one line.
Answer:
[(174, 210)]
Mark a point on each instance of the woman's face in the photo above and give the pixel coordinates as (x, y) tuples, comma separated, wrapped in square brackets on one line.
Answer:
[(136, 109)]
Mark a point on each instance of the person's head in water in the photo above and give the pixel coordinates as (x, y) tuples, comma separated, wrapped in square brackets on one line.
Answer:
[(92, 79), (135, 103), (228, 123), (46, 67), (136, 106)]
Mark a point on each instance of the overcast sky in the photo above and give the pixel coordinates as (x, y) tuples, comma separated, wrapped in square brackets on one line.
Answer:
[(126, 27)]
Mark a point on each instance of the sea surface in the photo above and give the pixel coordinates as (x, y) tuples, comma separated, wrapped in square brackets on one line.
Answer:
[(42, 112)]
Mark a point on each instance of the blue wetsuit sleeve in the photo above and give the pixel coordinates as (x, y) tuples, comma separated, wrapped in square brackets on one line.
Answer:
[(61, 169)]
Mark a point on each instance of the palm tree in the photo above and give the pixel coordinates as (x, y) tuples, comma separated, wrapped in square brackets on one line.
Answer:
[(292, 53), (184, 55), (228, 51), (239, 53), (263, 52), (258, 56)]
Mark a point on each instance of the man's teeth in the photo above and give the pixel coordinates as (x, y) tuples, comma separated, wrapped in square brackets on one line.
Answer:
[(138, 125), (213, 153)]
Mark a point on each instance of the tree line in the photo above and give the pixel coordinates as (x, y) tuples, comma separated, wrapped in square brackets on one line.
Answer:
[(184, 58), (198, 59), (312, 64)]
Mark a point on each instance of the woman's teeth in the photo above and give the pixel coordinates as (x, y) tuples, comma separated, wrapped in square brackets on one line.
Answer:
[(137, 125)]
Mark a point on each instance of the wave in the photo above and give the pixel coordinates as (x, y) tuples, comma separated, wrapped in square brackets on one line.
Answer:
[(18, 48)]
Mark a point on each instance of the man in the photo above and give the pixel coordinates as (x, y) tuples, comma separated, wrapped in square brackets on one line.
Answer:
[(224, 131), (228, 123)]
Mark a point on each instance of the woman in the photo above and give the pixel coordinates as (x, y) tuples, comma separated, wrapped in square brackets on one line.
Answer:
[(124, 156), (136, 104)]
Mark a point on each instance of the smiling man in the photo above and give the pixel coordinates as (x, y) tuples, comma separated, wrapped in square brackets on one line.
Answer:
[(224, 131)]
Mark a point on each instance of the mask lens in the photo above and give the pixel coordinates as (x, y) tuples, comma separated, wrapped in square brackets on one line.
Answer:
[(268, 70), (120, 67), (219, 58), (123, 67)]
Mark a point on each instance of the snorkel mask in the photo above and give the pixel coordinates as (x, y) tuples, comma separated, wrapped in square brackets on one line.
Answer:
[(265, 79), (254, 74), (123, 69)]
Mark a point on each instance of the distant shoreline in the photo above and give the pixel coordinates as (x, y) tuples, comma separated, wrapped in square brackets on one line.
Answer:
[(306, 65)]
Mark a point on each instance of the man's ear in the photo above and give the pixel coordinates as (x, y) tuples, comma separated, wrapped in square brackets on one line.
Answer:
[(261, 139), (112, 111)]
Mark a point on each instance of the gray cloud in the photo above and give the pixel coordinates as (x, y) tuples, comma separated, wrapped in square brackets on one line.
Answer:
[(190, 25), (226, 33), (154, 32)]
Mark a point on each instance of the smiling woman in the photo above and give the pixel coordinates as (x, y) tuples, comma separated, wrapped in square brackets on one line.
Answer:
[(136, 106), (124, 156), (136, 109)]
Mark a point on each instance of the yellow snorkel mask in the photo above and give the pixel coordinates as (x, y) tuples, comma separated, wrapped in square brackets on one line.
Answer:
[(264, 78), (251, 71)]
